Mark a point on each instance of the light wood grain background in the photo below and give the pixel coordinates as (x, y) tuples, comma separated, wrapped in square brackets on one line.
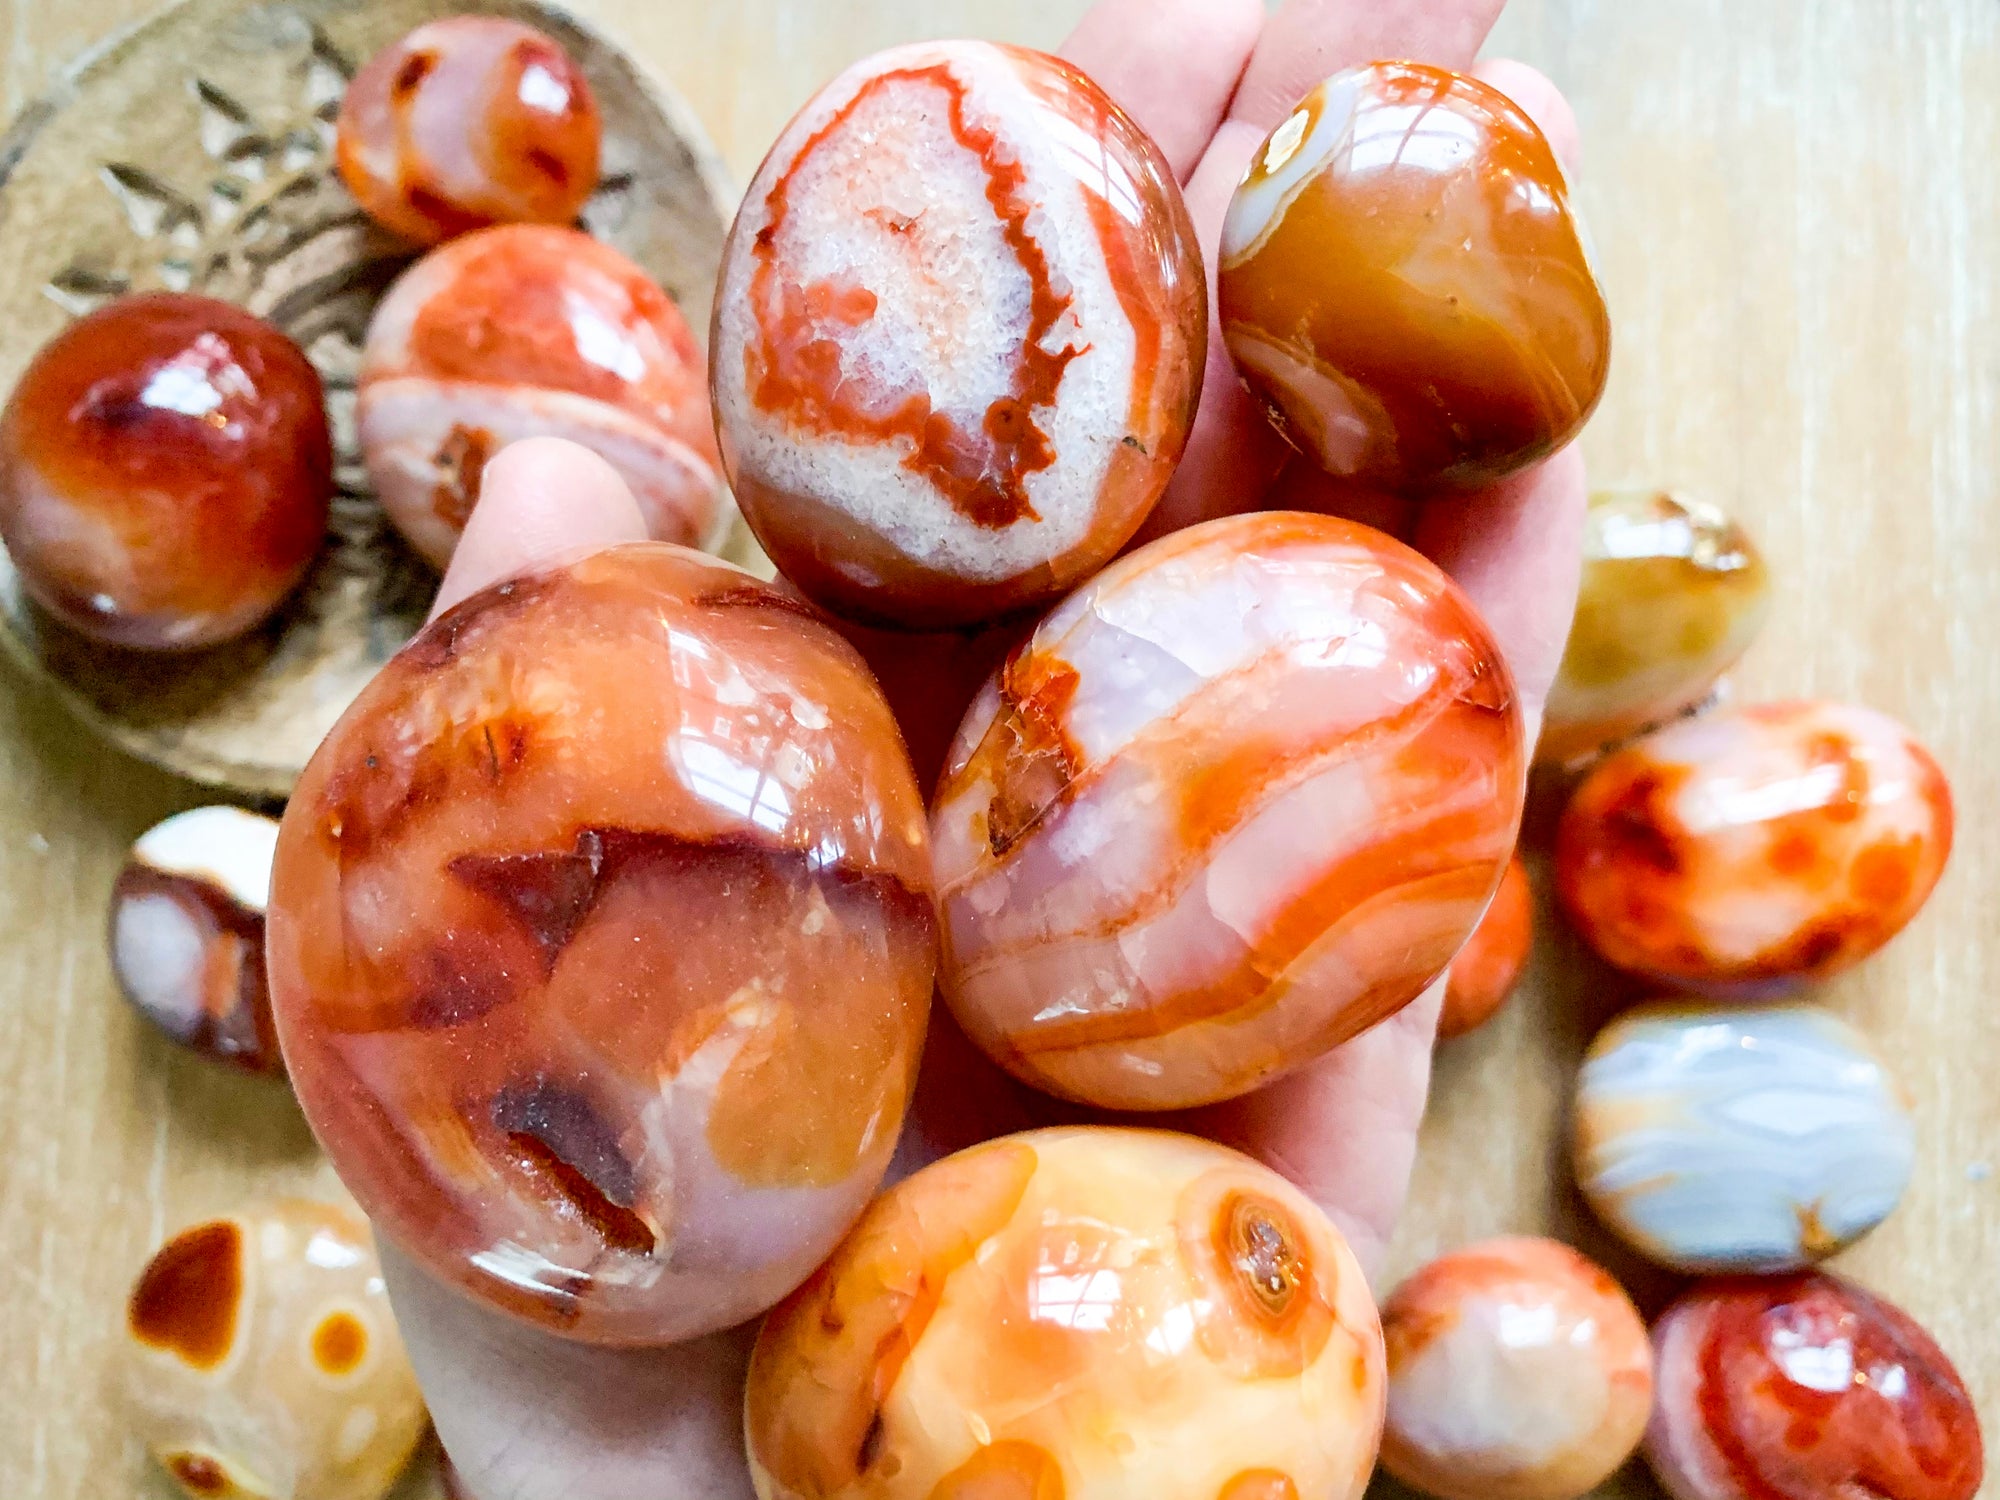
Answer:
[(1796, 204)]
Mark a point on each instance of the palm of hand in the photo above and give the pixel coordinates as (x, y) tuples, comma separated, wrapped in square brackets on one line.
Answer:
[(530, 1416)]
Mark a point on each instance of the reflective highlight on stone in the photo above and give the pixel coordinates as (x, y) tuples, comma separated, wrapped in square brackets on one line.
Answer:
[(1239, 798), (1404, 285), (959, 335), (1807, 1388), (1518, 1370), (1673, 593), (469, 121), (1751, 849), (1723, 1139), (601, 944), (532, 331), (260, 1360), (1084, 1314)]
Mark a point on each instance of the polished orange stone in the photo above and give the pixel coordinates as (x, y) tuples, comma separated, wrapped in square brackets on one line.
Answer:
[(526, 330), (469, 121), (1803, 1388), (959, 335), (1518, 1370), (165, 472), (1242, 796), (1489, 965), (601, 944), (1082, 1314), (1755, 848), (1404, 284)]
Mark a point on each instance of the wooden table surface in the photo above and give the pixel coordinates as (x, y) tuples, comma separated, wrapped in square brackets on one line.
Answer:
[(1795, 205)]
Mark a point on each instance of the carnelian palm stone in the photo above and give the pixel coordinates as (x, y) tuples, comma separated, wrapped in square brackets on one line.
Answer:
[(601, 944), (1079, 1314), (959, 335), (1240, 797), (1405, 286)]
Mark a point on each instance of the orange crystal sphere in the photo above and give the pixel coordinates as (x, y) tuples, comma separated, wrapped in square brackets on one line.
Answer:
[(165, 472), (958, 336), (1764, 846), (1080, 1314), (601, 944), (465, 122), (1237, 799), (1404, 285), (526, 330), (1489, 965), (1518, 1370)]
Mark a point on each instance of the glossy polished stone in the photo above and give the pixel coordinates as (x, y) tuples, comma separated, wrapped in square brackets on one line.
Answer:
[(1086, 1314), (1489, 965), (469, 121), (1754, 849), (260, 1359), (1404, 284), (601, 944), (165, 472), (959, 335), (1807, 1388), (1716, 1139), (1239, 798), (1673, 593), (1518, 1370), (532, 331), (187, 933)]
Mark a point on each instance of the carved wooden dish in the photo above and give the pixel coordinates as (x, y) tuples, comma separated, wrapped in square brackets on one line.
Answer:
[(195, 152)]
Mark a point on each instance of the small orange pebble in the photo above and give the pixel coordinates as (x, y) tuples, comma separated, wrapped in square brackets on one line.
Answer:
[(1075, 1314), (601, 944), (1489, 965), (262, 1362), (469, 121), (1404, 284), (527, 330), (1754, 848), (1518, 1370)]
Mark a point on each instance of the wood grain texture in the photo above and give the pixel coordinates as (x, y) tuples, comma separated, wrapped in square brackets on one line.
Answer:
[(1794, 204)]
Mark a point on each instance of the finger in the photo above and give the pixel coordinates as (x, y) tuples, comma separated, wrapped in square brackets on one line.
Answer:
[(540, 500), (1542, 100), (1344, 1129), (1233, 455), (1172, 64), (527, 1416)]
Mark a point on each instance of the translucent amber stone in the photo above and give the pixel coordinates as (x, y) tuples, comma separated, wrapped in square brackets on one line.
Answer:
[(531, 331), (959, 335), (1237, 799), (469, 121), (1489, 965), (165, 472), (1765, 846), (1673, 594), (601, 944), (261, 1360), (1518, 1370), (1807, 1388), (1405, 285), (1086, 1314)]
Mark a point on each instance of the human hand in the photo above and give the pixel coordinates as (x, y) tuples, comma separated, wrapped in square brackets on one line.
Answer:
[(529, 1416)]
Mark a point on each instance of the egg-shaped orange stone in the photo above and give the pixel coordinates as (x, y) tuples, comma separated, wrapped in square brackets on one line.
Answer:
[(958, 335), (1489, 965), (1404, 284), (1752, 849), (165, 472), (1081, 1314), (1518, 1370), (1237, 799), (601, 944)]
